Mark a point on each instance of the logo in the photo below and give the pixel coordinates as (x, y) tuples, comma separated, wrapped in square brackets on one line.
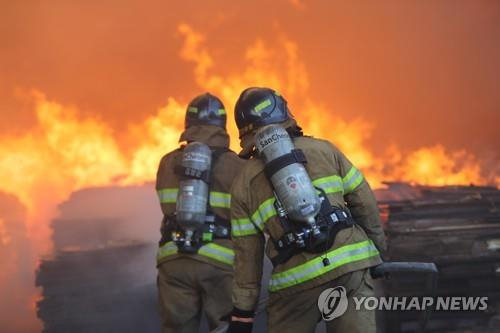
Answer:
[(332, 303), (292, 182), (265, 139)]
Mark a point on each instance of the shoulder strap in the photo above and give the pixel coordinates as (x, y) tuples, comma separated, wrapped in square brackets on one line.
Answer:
[(295, 156), (217, 152), (294, 131)]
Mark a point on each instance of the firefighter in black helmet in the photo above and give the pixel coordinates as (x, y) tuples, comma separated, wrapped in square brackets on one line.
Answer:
[(197, 279), (337, 244), (206, 109)]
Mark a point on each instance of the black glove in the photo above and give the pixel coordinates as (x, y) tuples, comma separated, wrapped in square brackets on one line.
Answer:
[(239, 326)]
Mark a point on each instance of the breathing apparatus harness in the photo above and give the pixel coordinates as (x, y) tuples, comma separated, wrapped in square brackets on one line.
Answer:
[(297, 236), (214, 226)]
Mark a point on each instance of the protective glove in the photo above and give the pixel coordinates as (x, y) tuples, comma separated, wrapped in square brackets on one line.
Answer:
[(239, 327), (236, 326)]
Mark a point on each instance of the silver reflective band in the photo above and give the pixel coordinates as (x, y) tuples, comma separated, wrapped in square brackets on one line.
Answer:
[(314, 267), (352, 180), (220, 199), (242, 227), (211, 250), (167, 249), (217, 252), (329, 184), (265, 211), (168, 195)]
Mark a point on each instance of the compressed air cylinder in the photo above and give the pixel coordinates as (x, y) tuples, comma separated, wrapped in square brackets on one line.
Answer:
[(292, 184), (191, 206)]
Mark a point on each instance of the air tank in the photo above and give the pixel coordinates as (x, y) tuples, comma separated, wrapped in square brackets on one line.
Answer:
[(192, 198), (292, 184)]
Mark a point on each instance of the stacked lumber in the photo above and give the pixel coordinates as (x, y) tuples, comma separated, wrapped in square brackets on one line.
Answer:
[(458, 228), (101, 290), (102, 276)]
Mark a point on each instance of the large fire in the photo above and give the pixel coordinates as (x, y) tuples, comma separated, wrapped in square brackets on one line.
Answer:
[(67, 151)]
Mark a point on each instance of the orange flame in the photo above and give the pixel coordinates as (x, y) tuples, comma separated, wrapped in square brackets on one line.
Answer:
[(436, 166), (66, 152)]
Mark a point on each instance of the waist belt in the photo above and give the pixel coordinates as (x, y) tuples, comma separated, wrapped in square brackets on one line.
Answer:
[(303, 239), (215, 227)]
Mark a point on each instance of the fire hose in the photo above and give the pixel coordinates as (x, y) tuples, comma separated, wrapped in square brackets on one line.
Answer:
[(385, 270)]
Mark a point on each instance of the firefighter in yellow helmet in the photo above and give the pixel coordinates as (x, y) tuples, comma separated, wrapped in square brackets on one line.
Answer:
[(319, 213), (195, 258)]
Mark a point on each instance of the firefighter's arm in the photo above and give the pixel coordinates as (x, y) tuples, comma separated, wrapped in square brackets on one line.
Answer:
[(361, 201), (248, 245)]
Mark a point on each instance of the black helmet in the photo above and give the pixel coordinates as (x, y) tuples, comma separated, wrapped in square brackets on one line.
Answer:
[(205, 109), (257, 107)]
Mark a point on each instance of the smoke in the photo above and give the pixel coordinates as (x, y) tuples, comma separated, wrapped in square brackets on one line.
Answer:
[(105, 216), (17, 287)]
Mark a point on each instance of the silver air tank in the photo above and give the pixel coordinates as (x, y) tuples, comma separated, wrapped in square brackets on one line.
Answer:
[(292, 184), (191, 206)]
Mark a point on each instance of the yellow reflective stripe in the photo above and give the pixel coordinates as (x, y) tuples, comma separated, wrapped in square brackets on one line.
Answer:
[(265, 211), (168, 249), (242, 227), (352, 180), (217, 252), (315, 267), (329, 184), (168, 195), (193, 109), (217, 199), (220, 199), (210, 250), (250, 226), (221, 112), (262, 105)]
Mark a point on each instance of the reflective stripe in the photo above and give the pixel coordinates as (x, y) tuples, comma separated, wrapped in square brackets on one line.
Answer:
[(242, 227), (168, 195), (217, 252), (246, 226), (352, 180), (265, 211), (329, 184), (193, 109), (314, 267), (262, 105), (221, 112), (220, 199), (217, 199), (166, 250), (210, 250)]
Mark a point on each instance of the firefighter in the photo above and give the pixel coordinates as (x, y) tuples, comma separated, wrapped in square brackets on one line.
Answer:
[(319, 213), (195, 257)]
